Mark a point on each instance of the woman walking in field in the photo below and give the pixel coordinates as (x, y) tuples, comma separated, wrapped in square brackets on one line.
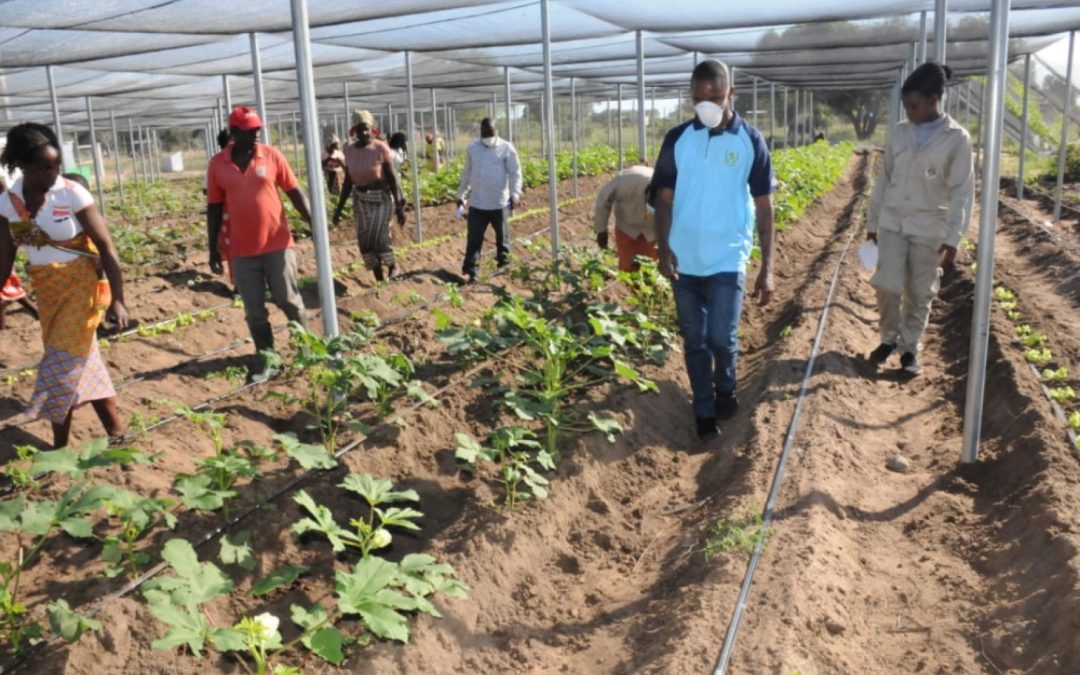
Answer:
[(370, 177), (68, 246), (919, 211)]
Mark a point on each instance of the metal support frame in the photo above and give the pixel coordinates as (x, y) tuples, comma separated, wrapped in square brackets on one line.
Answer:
[(1024, 127), (640, 37), (227, 92), (131, 144), (754, 101), (435, 130), (607, 113), (320, 233), (509, 105), (415, 158), (574, 131), (810, 114), (1066, 109), (922, 37), (57, 126), (144, 155), (787, 125), (652, 115), (984, 274), (772, 115), (348, 111), (116, 156), (295, 136), (549, 132), (260, 95), (95, 156), (798, 137), (390, 126), (619, 127), (941, 23)]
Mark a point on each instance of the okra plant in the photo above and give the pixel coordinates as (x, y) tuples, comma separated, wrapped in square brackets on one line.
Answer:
[(515, 450)]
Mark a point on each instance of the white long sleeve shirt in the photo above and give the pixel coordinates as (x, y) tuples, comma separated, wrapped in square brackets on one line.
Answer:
[(490, 175)]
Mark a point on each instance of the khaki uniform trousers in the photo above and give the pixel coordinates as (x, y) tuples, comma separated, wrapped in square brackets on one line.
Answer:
[(907, 279)]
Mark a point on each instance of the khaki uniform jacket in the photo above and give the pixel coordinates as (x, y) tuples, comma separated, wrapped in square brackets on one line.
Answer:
[(926, 193), (625, 193)]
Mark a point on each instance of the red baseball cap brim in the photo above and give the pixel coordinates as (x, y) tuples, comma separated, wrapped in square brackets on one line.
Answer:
[(245, 119)]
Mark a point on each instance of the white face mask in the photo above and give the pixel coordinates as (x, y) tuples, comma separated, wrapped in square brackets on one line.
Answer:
[(490, 141), (710, 114)]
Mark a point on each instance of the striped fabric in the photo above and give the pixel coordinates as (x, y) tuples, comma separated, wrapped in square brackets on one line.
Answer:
[(373, 212)]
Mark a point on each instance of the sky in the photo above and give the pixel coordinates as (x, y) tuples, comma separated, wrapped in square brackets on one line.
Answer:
[(1057, 56)]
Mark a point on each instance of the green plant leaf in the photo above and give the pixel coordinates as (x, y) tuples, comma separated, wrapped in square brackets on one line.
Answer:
[(195, 582), (308, 456), (325, 641), (279, 578), (236, 550), (364, 591), (376, 490), (197, 493), (321, 521), (468, 448), (609, 426), (186, 628), (227, 640), (68, 624)]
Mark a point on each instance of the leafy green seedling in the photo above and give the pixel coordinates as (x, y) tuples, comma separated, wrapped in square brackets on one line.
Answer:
[(1062, 395), (1059, 375), (136, 514), (741, 534)]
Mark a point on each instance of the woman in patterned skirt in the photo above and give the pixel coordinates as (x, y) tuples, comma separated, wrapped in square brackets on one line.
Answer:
[(370, 177), (62, 231)]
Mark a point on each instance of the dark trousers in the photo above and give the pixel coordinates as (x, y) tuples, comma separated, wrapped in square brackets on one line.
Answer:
[(478, 220), (708, 310)]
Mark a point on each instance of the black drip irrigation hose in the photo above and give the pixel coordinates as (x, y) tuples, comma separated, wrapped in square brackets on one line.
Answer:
[(774, 492), (289, 485)]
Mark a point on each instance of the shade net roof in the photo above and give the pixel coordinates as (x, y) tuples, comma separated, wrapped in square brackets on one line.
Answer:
[(163, 60)]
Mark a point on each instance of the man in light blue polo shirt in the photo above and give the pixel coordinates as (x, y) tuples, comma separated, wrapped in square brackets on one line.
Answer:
[(713, 183)]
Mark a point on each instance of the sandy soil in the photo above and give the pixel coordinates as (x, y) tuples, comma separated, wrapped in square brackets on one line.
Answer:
[(939, 569)]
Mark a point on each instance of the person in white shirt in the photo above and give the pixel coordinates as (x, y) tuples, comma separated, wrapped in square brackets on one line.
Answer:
[(490, 181), (69, 249)]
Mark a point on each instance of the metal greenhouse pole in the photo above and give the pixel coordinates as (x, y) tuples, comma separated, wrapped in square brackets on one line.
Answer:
[(984, 273), (260, 95), (941, 22), (116, 156), (348, 112), (642, 154), (414, 158), (435, 130), (506, 95), (390, 120), (754, 101), (1024, 127), (922, 37), (549, 131), (134, 157), (1065, 108), (618, 95), (607, 110), (148, 169), (787, 125), (796, 120), (228, 94), (574, 131), (772, 115), (295, 138), (57, 127), (652, 115), (309, 115), (95, 156), (810, 123)]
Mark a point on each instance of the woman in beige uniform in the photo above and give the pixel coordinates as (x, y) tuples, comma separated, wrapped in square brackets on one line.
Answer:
[(919, 211)]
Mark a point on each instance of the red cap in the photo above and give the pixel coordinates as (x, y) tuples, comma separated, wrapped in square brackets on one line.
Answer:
[(245, 119)]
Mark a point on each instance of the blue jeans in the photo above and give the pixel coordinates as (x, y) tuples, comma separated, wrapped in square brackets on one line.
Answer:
[(708, 309)]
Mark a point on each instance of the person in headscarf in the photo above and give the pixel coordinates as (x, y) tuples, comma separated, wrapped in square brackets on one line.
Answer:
[(373, 183), (436, 151), (333, 164)]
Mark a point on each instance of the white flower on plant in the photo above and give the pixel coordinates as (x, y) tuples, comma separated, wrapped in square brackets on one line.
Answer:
[(381, 539), (269, 623)]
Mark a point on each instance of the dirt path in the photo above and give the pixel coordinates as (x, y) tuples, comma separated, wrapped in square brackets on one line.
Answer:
[(607, 575), (940, 568)]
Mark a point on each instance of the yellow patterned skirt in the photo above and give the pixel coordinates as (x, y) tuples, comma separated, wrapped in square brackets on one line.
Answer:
[(71, 371)]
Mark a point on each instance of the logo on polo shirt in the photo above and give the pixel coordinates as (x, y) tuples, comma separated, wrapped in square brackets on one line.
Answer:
[(931, 172), (731, 158), (260, 171)]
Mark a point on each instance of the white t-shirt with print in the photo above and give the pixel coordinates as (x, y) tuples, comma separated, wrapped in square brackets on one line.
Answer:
[(56, 217)]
